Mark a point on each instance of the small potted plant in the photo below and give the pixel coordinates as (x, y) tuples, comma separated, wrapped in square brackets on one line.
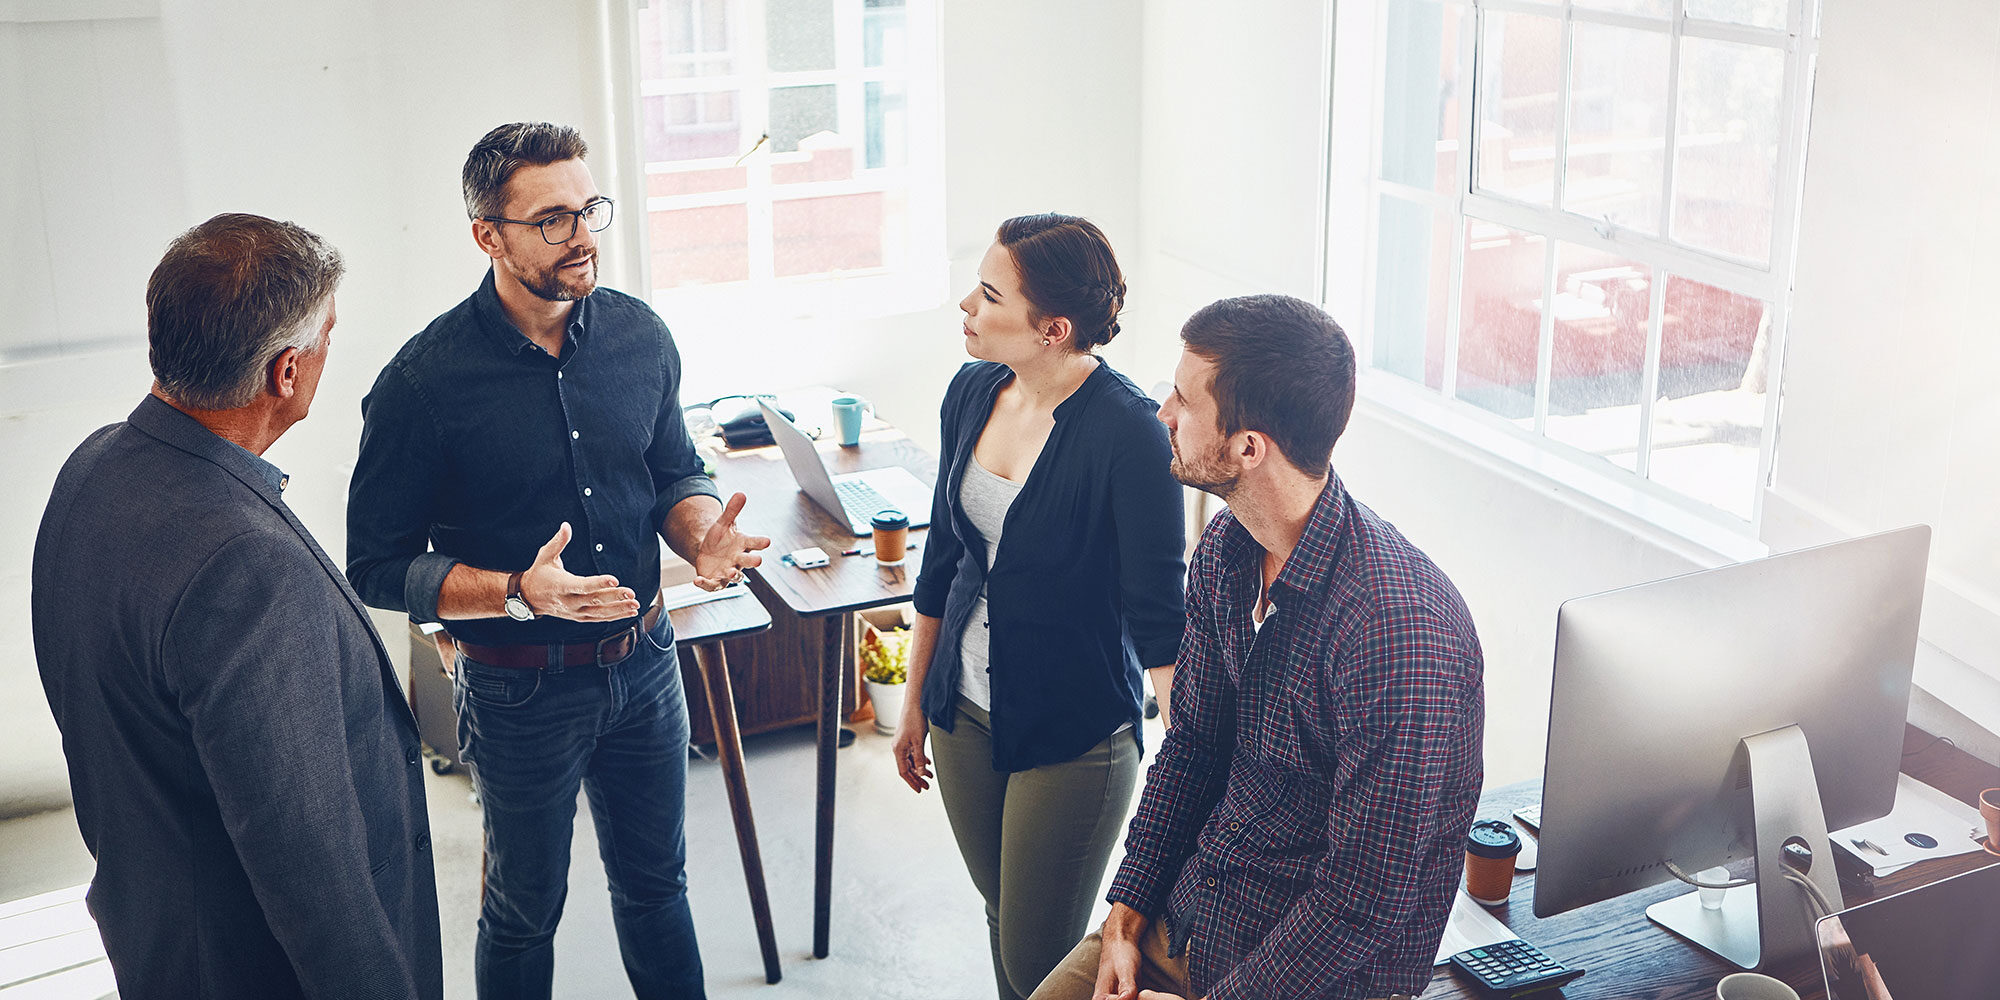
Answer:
[(885, 668)]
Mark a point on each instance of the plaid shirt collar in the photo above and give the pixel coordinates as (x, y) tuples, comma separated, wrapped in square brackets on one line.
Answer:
[(1308, 571)]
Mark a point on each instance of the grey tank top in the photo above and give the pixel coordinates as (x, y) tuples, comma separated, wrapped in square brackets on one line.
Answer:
[(985, 498)]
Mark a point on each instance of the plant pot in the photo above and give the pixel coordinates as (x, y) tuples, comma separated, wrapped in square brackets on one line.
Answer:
[(888, 699)]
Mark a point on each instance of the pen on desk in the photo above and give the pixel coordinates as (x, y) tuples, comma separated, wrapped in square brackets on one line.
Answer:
[(912, 547)]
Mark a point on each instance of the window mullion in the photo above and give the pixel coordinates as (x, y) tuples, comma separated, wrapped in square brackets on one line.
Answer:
[(1669, 153), (1649, 379), (1545, 343), (1468, 132), (756, 38)]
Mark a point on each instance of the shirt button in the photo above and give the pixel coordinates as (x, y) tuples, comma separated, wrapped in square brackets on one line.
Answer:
[(1211, 882), (413, 756), (559, 376), (600, 546), (424, 841), (1233, 827), (586, 491), (573, 435)]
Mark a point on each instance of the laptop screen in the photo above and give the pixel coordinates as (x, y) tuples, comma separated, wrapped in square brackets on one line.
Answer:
[(1934, 941)]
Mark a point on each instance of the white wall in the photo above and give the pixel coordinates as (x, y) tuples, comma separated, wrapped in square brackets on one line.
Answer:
[(353, 120)]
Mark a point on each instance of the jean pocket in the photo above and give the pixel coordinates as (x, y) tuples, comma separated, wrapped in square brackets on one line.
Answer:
[(497, 687), (665, 628)]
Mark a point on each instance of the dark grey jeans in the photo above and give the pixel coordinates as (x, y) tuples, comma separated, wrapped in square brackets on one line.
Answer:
[(1035, 842)]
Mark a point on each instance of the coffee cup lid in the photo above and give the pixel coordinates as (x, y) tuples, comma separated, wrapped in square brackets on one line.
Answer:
[(890, 519), (1492, 838)]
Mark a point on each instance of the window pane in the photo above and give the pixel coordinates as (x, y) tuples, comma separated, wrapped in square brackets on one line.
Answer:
[(884, 41), (690, 126), (1726, 148), (699, 246), (1519, 83), (1422, 99), (797, 112), (1709, 422), (800, 33), (1617, 125), (679, 39), (1412, 274), (816, 235), (1500, 331), (1598, 358), (887, 110), (1763, 13), (1653, 8)]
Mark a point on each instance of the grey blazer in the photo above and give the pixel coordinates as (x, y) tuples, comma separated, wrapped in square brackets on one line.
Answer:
[(245, 768)]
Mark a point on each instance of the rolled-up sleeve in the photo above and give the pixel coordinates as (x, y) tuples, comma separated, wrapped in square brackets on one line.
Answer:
[(390, 501), (675, 465)]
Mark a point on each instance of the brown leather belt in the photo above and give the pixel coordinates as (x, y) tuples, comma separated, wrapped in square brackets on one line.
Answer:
[(605, 652)]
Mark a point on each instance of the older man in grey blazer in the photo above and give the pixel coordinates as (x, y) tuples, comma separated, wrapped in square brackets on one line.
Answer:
[(244, 766)]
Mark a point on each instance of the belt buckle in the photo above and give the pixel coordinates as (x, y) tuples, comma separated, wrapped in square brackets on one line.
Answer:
[(597, 654)]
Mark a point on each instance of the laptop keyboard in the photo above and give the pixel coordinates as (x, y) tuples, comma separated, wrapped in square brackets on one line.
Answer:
[(860, 500)]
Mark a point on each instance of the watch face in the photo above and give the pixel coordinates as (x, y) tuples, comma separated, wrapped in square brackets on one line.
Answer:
[(517, 609)]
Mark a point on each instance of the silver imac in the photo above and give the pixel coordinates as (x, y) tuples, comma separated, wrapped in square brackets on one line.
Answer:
[(1733, 713)]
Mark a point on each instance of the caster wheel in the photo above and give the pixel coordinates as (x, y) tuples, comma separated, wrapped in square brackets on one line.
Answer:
[(441, 765)]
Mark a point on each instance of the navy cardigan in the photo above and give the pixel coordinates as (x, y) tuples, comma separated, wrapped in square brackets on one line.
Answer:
[(1087, 585)]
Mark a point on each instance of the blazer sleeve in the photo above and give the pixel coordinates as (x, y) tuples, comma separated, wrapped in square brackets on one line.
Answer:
[(252, 666)]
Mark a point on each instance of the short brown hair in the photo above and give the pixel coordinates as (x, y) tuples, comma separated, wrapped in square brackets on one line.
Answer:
[(228, 297), (501, 152), (1068, 270), (1282, 367)]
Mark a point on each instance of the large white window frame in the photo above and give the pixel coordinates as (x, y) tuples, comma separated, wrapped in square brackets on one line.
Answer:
[(1353, 198), (919, 280)]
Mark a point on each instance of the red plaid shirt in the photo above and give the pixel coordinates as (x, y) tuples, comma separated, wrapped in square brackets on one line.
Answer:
[(1303, 827)]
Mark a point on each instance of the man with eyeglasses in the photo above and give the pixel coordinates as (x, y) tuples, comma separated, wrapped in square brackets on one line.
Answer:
[(518, 459)]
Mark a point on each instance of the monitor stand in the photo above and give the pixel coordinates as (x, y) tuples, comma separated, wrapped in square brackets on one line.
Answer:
[(1769, 923)]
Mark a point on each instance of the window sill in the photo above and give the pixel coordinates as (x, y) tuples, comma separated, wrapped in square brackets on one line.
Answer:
[(1648, 511)]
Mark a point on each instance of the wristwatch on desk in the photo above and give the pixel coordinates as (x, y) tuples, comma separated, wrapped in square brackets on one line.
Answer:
[(517, 606)]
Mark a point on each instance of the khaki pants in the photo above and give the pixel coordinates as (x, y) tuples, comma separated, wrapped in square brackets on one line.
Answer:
[(1075, 977)]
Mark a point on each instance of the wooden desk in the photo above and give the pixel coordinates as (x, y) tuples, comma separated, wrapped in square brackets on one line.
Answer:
[(1626, 955), (830, 594), (702, 628)]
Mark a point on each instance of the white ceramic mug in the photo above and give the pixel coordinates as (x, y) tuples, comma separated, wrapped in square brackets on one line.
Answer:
[(1753, 986)]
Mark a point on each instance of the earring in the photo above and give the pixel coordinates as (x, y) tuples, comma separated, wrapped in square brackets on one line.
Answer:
[(1045, 341)]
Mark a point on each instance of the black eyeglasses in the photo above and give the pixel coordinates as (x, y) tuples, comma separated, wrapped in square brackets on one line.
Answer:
[(560, 228)]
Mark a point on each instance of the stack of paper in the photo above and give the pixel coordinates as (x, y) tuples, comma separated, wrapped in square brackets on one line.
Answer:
[(1922, 815)]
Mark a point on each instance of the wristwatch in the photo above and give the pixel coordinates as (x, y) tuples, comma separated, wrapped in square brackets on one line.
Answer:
[(517, 606)]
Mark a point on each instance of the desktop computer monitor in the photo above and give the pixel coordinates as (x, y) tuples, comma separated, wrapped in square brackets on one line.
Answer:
[(1733, 713)]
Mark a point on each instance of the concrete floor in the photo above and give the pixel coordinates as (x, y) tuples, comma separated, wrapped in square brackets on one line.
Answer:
[(906, 920)]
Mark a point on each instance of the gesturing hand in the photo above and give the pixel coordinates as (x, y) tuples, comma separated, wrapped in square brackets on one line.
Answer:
[(725, 551), (552, 590)]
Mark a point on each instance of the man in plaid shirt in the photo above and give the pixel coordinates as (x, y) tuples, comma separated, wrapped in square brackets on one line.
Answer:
[(1302, 831)]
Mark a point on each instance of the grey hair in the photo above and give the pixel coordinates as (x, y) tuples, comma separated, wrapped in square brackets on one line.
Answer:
[(501, 152), (229, 296)]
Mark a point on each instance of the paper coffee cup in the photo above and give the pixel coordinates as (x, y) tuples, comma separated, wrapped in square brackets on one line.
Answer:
[(892, 537), (1490, 847)]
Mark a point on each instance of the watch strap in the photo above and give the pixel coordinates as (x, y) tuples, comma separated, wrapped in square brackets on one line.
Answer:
[(514, 589)]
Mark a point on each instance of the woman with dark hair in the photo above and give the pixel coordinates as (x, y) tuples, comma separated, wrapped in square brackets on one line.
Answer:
[(1052, 576)]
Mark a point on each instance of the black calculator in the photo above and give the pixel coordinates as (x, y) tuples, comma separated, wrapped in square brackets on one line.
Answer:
[(1513, 968)]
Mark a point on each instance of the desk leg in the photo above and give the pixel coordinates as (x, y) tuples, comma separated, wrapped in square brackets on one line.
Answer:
[(832, 662), (714, 667)]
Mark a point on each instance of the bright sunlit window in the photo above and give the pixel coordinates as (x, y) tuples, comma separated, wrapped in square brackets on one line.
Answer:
[(791, 158), (1581, 222)]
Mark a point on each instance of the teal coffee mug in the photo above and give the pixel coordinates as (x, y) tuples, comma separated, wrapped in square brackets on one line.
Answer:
[(847, 414)]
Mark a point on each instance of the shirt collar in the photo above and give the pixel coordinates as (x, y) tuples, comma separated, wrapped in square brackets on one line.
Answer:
[(1308, 570), (486, 301), (271, 473)]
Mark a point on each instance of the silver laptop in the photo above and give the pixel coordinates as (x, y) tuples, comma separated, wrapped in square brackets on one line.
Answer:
[(856, 496)]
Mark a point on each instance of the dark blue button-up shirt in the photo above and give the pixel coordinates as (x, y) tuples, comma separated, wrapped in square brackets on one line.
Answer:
[(477, 445), (1304, 824)]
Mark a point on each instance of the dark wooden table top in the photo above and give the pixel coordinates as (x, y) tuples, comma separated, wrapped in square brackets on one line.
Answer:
[(1629, 957), (779, 509)]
